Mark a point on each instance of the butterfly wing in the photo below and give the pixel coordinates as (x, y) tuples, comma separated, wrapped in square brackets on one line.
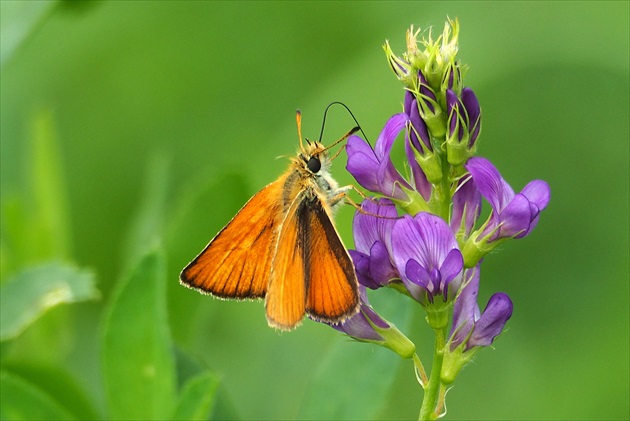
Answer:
[(286, 296), (333, 290), (237, 261), (312, 271)]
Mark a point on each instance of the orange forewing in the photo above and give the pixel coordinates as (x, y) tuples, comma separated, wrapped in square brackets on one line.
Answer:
[(333, 288), (236, 263), (286, 298)]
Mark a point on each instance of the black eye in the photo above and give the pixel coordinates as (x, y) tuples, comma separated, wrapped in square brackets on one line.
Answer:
[(314, 165)]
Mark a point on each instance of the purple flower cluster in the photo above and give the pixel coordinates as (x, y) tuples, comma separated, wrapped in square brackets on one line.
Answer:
[(432, 252)]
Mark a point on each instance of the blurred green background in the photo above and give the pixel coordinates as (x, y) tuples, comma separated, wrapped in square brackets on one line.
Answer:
[(128, 124)]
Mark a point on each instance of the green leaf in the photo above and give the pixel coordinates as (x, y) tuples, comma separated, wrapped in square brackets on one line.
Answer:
[(197, 397), (35, 220), (188, 368), (58, 383), (23, 401), (353, 377), (146, 228), (32, 292), (18, 19), (138, 362), (51, 222)]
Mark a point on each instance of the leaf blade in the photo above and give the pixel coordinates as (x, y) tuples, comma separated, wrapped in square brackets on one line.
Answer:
[(352, 374), (138, 363), (197, 398), (22, 400), (32, 292)]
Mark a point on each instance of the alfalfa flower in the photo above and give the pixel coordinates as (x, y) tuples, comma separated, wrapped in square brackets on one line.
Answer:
[(513, 215), (374, 170), (372, 231), (472, 329), (464, 125), (368, 326), (427, 257), (424, 160)]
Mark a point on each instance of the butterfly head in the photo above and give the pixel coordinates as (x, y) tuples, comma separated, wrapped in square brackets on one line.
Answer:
[(313, 159)]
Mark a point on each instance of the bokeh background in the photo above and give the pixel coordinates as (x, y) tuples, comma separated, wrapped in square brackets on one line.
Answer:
[(128, 124)]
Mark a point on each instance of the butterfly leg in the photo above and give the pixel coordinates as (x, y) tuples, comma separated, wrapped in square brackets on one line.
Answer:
[(342, 193)]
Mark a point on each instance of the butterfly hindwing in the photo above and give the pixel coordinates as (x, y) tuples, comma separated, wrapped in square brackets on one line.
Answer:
[(286, 297), (333, 290)]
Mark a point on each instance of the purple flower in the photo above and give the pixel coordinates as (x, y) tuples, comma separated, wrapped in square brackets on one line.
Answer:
[(360, 326), (372, 238), (426, 255), (464, 116), (473, 110), (513, 215), (419, 132), (472, 327), (466, 208), (417, 139), (452, 77), (427, 100), (400, 67), (373, 169), (368, 326)]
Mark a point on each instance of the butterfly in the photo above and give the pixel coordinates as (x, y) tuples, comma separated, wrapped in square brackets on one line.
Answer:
[(283, 246)]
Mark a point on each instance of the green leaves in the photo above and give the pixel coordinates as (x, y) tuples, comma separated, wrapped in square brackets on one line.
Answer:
[(19, 19), (368, 373), (138, 358), (138, 366), (28, 295), (197, 397), (35, 220), (22, 400)]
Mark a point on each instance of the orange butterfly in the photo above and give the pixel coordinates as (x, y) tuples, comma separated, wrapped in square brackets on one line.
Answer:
[(282, 245)]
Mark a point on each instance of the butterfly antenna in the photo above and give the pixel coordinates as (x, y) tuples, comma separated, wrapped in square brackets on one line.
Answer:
[(357, 128), (298, 120)]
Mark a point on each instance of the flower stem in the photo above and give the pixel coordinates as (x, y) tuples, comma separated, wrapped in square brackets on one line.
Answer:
[(441, 199), (421, 374), (429, 409)]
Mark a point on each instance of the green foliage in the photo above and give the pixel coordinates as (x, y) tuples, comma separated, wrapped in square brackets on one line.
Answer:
[(371, 371), (56, 384), (197, 398), (28, 295), (35, 224), (18, 20), (138, 360), (138, 366), (24, 401)]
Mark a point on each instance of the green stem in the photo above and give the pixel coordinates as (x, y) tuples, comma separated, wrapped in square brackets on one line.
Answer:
[(441, 197), (432, 391), (421, 374)]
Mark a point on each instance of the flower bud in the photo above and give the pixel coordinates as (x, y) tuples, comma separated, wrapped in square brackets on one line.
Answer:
[(464, 125), (428, 106), (452, 78), (472, 329), (400, 67), (420, 153)]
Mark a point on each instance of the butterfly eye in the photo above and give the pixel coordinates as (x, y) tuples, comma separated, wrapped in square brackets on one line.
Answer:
[(314, 165)]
